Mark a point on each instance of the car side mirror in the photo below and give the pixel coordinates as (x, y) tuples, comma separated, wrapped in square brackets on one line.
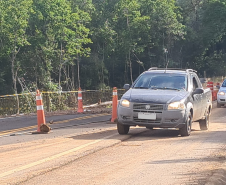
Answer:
[(218, 87), (126, 86), (198, 91)]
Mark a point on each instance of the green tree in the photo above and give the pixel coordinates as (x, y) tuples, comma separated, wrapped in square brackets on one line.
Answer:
[(58, 34), (14, 22)]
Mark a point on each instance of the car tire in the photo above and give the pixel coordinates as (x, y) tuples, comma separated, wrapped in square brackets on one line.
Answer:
[(151, 128), (122, 129), (204, 124), (186, 129), (218, 105)]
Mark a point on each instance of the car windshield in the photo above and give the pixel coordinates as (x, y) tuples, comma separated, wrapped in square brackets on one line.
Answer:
[(223, 84), (164, 81)]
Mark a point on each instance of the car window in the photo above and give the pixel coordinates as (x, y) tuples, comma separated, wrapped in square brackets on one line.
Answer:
[(223, 84), (195, 84), (161, 81)]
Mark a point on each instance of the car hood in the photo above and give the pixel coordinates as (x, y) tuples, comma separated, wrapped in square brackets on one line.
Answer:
[(222, 89), (154, 96)]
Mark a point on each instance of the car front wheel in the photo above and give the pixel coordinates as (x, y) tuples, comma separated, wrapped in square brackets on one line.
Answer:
[(122, 129), (151, 128), (186, 129)]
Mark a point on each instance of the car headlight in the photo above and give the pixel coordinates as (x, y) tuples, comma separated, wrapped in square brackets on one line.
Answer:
[(221, 93), (176, 105), (125, 103)]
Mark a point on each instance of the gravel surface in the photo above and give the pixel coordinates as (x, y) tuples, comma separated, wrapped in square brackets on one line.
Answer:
[(98, 155)]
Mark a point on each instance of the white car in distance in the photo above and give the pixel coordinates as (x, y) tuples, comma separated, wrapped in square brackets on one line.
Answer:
[(221, 95)]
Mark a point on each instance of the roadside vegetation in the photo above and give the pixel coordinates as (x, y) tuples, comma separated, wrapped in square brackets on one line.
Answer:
[(65, 44)]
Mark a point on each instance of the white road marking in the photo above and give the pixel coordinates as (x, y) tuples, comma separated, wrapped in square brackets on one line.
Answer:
[(11, 117), (53, 157)]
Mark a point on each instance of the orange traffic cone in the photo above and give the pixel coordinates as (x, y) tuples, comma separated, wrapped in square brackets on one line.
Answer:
[(114, 105), (40, 111), (80, 104)]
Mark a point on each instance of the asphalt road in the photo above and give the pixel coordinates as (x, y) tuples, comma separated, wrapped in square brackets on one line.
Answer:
[(94, 153), (62, 125)]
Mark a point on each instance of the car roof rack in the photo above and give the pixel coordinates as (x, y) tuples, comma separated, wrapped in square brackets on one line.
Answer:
[(191, 70), (187, 70)]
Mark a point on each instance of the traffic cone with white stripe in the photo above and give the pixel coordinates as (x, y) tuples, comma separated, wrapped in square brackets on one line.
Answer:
[(40, 111), (114, 104), (80, 104)]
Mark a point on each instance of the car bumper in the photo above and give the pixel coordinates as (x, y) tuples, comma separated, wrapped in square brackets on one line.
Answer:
[(221, 99), (164, 118)]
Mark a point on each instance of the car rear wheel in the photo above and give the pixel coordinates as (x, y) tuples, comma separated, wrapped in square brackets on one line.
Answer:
[(122, 129), (204, 124), (186, 129)]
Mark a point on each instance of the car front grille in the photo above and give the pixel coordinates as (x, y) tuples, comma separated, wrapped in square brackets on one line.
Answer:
[(147, 107)]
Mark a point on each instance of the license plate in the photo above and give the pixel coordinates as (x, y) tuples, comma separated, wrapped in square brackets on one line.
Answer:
[(143, 115)]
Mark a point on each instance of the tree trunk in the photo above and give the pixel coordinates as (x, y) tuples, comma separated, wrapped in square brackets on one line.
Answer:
[(73, 77), (131, 70), (14, 77), (126, 70), (78, 71), (59, 84), (102, 67), (14, 74)]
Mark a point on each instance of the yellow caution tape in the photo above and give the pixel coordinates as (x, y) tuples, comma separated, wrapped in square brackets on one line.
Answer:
[(48, 92)]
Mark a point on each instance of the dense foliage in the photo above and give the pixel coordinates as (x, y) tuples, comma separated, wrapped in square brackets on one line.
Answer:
[(64, 44)]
